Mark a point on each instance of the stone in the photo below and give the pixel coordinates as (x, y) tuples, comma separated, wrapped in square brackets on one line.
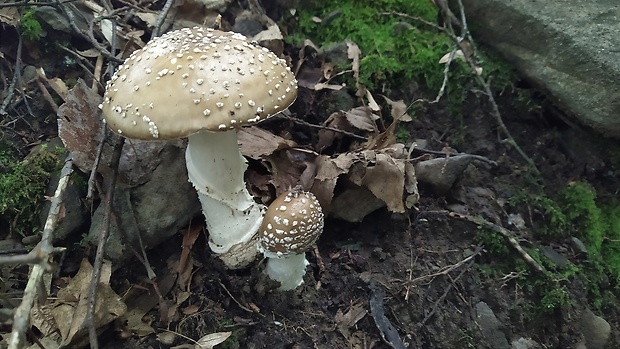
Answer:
[(441, 173), (156, 209), (525, 343), (596, 330), (567, 48), (491, 327)]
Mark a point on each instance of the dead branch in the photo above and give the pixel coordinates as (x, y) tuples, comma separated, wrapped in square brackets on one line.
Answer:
[(388, 333), (320, 127), (21, 320), (447, 290), (161, 18), (103, 236), (474, 68), (507, 234), (16, 77)]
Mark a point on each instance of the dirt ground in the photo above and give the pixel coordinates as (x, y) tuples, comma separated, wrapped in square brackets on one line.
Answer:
[(418, 276)]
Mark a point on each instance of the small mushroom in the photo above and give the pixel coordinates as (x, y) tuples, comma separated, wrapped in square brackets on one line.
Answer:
[(293, 223), (203, 83)]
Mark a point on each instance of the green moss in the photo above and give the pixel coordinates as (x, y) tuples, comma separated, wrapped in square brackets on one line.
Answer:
[(22, 186), (395, 49), (29, 26)]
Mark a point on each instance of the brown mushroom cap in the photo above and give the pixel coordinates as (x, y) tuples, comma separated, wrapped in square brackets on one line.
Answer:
[(293, 222), (196, 79)]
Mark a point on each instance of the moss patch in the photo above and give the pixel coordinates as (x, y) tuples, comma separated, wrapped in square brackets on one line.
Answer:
[(22, 186)]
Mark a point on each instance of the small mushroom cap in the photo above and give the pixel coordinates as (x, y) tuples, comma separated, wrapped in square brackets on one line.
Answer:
[(196, 79), (293, 222)]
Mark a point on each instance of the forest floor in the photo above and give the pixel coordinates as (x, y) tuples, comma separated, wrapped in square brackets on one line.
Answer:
[(425, 278)]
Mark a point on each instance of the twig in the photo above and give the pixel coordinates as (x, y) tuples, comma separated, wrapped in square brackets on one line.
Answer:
[(160, 19), (320, 127), (386, 329), (486, 86), (33, 3), (439, 152), (16, 77), (103, 236), (21, 320), (447, 290), (507, 234), (235, 299)]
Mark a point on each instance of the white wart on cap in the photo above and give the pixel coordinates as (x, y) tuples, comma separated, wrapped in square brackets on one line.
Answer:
[(293, 222), (196, 79)]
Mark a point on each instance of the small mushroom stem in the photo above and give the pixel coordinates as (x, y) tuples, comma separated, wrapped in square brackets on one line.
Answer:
[(289, 270), (216, 168)]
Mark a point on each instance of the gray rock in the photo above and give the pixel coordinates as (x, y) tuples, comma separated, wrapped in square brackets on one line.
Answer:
[(578, 246), (595, 330), (567, 48), (491, 327), (525, 343), (156, 210), (441, 173)]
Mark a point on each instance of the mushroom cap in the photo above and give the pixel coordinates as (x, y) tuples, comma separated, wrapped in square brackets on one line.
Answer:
[(293, 222), (196, 79)]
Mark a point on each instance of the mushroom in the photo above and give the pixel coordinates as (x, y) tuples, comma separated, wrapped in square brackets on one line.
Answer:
[(203, 84), (293, 223)]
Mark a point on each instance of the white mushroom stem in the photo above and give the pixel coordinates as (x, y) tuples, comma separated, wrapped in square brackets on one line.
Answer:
[(216, 168), (289, 270)]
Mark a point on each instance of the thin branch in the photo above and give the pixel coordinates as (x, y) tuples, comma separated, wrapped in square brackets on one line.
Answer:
[(161, 18), (103, 236), (16, 77), (21, 320)]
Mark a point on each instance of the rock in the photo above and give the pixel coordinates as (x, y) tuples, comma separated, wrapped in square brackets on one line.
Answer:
[(441, 173), (556, 257), (595, 330), (156, 210), (525, 343), (491, 327), (578, 246), (564, 47)]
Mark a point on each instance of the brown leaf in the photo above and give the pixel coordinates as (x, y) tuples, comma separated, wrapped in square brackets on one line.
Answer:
[(257, 143), (398, 110), (71, 317), (80, 124), (362, 118)]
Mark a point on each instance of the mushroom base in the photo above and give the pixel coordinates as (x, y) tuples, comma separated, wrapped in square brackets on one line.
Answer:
[(216, 168), (289, 270)]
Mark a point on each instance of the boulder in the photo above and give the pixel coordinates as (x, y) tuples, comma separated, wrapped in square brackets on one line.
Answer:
[(569, 49)]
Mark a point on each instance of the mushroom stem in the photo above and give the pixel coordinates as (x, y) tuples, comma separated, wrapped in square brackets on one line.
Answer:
[(216, 168), (289, 270)]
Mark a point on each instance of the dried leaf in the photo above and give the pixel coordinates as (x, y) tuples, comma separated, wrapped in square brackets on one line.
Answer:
[(362, 118), (257, 143), (458, 54), (211, 340), (398, 110), (271, 33), (69, 310), (372, 103), (149, 18), (80, 124), (10, 15)]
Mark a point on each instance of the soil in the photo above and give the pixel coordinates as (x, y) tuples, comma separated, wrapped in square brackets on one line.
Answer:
[(431, 267)]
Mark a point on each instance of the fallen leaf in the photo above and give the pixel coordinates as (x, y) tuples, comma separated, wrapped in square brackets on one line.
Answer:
[(256, 143), (10, 15), (70, 309), (211, 340), (362, 118), (398, 110), (80, 124)]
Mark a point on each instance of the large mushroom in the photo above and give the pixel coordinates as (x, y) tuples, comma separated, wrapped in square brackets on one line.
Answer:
[(293, 223), (203, 84)]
